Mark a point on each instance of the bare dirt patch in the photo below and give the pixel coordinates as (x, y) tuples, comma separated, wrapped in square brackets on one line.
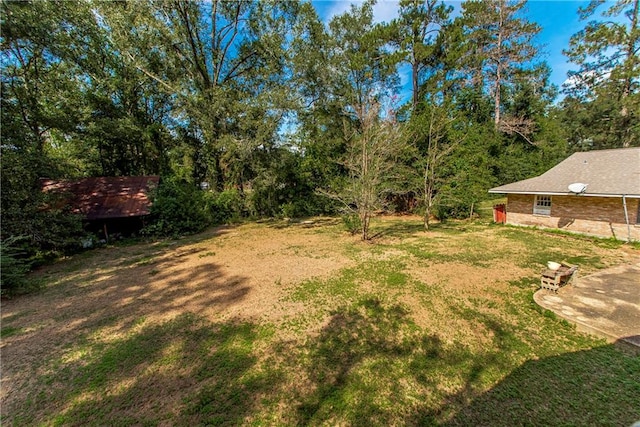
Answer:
[(465, 278), (228, 273), (245, 275)]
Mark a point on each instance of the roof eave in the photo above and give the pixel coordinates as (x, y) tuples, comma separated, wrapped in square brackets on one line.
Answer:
[(556, 193)]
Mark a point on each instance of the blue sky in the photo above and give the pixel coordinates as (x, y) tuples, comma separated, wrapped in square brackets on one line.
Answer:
[(558, 20)]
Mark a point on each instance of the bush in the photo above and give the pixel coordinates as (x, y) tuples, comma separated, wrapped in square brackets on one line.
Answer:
[(226, 206), (178, 208), (352, 223), (14, 265), (299, 208), (290, 210), (57, 232)]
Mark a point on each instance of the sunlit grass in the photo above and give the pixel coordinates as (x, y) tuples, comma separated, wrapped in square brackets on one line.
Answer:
[(375, 344)]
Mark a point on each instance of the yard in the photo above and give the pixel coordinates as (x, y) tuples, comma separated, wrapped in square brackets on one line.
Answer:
[(285, 323)]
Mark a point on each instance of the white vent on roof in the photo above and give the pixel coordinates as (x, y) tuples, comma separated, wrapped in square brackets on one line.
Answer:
[(578, 187)]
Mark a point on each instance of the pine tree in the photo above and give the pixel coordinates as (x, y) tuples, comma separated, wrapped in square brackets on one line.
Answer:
[(414, 33), (500, 46), (606, 84)]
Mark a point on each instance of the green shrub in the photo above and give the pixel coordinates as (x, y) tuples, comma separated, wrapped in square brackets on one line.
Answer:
[(300, 208), (57, 232), (352, 223), (179, 207), (226, 206), (14, 265)]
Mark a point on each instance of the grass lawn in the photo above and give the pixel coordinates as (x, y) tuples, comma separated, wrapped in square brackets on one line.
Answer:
[(280, 323)]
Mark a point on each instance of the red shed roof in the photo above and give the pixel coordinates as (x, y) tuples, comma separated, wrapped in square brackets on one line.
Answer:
[(106, 197)]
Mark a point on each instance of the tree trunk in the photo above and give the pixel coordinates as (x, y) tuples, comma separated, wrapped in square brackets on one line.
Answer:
[(626, 90), (414, 79), (428, 200), (365, 218), (497, 101), (498, 59)]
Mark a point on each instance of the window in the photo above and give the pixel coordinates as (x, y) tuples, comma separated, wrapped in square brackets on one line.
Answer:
[(542, 205)]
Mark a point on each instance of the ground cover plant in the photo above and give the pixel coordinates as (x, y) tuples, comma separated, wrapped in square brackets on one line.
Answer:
[(301, 323)]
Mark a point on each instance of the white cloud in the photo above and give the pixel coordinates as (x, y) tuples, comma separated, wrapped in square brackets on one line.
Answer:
[(588, 78), (338, 8), (383, 10)]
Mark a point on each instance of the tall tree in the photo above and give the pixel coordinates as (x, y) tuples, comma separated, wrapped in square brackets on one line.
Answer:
[(40, 98), (36, 81), (372, 163), (414, 33), (435, 136), (321, 120), (230, 95), (131, 118), (366, 80), (106, 113), (358, 53), (500, 46), (606, 84)]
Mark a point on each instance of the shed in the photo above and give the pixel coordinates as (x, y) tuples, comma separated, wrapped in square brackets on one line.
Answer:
[(604, 198), (111, 204)]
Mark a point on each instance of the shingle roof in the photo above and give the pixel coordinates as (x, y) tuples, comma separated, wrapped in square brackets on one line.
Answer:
[(106, 197), (608, 173)]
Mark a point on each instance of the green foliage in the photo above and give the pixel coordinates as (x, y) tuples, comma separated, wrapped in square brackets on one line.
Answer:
[(268, 105), (299, 208), (603, 103), (499, 46), (467, 173), (435, 136), (179, 207), (13, 265), (352, 223), (225, 206), (44, 223), (285, 187), (415, 34)]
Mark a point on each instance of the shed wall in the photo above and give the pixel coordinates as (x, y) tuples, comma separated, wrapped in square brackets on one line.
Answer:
[(597, 216)]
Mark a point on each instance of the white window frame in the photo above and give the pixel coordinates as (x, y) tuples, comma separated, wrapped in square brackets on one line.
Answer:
[(542, 205)]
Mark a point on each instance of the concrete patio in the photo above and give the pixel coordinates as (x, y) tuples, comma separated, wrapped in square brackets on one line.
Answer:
[(606, 303)]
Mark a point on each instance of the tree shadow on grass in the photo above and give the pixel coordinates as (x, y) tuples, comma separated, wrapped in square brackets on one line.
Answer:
[(313, 222), (410, 227), (397, 229), (369, 360), (370, 365), (82, 316), (574, 388), (187, 371), (356, 342), (578, 388)]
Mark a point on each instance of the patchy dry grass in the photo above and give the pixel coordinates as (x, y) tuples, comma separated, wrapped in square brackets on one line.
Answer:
[(302, 324)]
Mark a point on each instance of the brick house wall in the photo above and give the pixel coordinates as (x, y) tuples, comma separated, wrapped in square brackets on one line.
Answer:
[(596, 216)]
